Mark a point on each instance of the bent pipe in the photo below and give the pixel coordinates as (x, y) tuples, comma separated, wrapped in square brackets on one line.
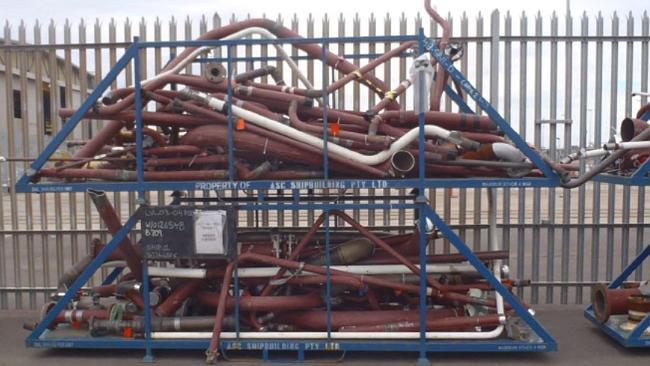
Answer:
[(212, 351), (361, 72), (604, 164), (113, 224), (441, 74), (261, 121), (313, 50), (206, 137)]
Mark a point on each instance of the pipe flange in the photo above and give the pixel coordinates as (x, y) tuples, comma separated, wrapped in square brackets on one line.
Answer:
[(214, 72)]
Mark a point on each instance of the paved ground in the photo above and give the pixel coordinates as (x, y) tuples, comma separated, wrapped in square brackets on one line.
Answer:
[(580, 344)]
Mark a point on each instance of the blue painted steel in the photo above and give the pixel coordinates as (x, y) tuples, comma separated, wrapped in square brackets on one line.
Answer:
[(421, 93), (328, 276), (147, 311), (288, 184), (641, 173), (138, 122), (626, 339), (462, 105), (40, 337), (630, 268), (112, 276), (72, 122), (494, 115), (640, 329), (646, 116), (83, 278), (486, 274), (326, 99), (499, 345), (231, 138), (236, 290)]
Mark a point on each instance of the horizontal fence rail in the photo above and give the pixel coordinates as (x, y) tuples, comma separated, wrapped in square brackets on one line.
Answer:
[(563, 82)]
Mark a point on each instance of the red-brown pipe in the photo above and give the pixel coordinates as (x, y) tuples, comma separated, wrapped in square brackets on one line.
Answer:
[(132, 175), (631, 127), (263, 303), (437, 325), (174, 301), (113, 224), (607, 301), (316, 320)]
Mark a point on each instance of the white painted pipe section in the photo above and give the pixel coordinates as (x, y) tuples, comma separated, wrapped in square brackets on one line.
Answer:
[(584, 154), (269, 124), (377, 269), (323, 335), (507, 152), (630, 145), (238, 35)]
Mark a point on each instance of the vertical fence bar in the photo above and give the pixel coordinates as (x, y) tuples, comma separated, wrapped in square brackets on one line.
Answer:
[(598, 102), (537, 141), (550, 232), (27, 121), (387, 76), (11, 151), (476, 233), (613, 117), (403, 30), (507, 95), (629, 63), (4, 298), (41, 130), (584, 92), (462, 194), (523, 102), (66, 100), (372, 31), (640, 213), (566, 193)]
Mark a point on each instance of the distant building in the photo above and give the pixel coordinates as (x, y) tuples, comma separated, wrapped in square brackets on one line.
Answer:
[(32, 109)]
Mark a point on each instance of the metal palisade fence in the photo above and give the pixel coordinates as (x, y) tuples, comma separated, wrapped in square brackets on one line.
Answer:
[(562, 82)]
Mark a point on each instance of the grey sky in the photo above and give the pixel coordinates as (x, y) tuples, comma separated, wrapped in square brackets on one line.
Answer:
[(59, 10)]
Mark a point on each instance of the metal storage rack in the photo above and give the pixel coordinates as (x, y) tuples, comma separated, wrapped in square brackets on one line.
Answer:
[(44, 338), (638, 336)]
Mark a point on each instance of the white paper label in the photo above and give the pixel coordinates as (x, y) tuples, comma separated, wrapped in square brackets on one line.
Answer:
[(208, 232)]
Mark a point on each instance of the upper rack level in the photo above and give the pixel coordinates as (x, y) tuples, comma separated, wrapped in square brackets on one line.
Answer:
[(267, 110)]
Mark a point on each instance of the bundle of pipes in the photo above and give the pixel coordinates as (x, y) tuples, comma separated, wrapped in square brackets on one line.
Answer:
[(624, 157), (279, 129), (374, 289)]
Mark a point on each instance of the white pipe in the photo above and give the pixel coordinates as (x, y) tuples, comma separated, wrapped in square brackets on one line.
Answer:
[(269, 124), (320, 335), (629, 145), (584, 154), (253, 272), (238, 35)]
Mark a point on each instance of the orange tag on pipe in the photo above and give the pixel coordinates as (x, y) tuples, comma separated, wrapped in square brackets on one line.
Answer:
[(240, 125), (335, 129), (128, 332)]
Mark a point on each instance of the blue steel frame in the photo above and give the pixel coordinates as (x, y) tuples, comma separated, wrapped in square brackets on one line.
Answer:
[(42, 337), (636, 337)]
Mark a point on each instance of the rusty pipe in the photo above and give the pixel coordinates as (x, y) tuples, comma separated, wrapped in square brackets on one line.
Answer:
[(113, 224), (443, 324), (263, 303), (608, 301)]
